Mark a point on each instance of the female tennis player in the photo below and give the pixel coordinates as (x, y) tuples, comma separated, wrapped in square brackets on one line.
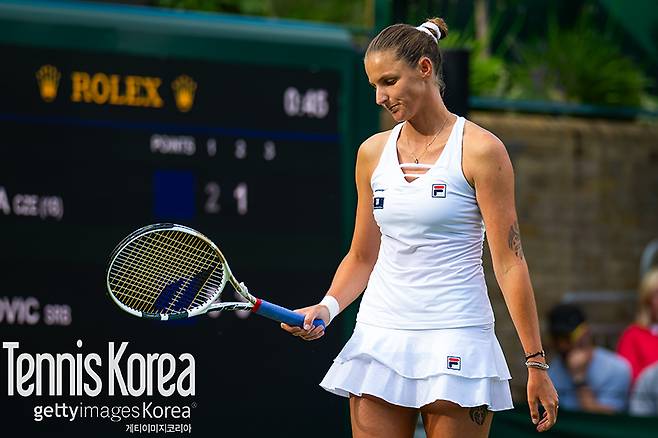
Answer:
[(424, 339)]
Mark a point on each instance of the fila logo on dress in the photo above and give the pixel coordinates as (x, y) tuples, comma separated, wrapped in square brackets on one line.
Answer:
[(439, 190), (454, 363)]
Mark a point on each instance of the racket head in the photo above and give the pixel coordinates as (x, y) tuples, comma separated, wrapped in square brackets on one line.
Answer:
[(166, 271)]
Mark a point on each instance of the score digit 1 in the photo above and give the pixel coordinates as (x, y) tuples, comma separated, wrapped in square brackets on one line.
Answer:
[(240, 195)]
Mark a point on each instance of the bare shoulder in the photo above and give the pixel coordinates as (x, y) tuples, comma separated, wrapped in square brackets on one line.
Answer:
[(482, 152), (372, 147), (481, 143), (371, 150)]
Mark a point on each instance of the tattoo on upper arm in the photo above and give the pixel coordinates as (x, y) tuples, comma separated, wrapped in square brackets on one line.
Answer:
[(478, 414), (514, 240)]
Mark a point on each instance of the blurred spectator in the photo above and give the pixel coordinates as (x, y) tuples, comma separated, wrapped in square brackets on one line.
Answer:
[(587, 378), (639, 342), (644, 398)]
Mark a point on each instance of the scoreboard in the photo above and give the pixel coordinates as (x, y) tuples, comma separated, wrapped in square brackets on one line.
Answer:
[(115, 117), (248, 154)]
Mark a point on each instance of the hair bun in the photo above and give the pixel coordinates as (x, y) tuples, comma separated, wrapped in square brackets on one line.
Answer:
[(441, 24)]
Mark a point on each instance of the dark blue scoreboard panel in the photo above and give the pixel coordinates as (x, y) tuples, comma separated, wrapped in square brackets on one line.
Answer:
[(96, 143)]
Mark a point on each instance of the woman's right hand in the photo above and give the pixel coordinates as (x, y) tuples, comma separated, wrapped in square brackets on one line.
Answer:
[(311, 313)]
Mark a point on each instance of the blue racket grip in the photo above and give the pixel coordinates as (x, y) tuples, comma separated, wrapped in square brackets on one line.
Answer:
[(281, 314)]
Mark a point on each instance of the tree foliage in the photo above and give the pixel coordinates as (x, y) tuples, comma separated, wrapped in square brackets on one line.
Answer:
[(580, 65), (351, 12), (574, 60)]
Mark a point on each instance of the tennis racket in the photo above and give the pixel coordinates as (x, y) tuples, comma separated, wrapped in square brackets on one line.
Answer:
[(169, 271)]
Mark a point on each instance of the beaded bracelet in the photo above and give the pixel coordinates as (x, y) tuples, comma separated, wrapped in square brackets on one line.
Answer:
[(539, 365)]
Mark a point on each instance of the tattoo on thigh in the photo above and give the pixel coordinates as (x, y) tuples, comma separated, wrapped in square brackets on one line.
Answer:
[(478, 414), (514, 240)]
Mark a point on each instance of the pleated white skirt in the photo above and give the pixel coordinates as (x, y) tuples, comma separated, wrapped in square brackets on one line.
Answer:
[(413, 368)]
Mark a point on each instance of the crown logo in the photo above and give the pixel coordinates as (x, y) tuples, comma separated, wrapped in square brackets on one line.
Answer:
[(184, 88), (48, 80)]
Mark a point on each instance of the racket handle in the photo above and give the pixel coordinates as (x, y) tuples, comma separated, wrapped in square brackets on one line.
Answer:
[(281, 314)]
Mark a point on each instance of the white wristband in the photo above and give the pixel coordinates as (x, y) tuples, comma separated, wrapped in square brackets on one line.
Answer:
[(332, 305)]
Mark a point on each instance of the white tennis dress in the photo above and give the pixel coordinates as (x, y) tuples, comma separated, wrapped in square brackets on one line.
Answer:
[(424, 329)]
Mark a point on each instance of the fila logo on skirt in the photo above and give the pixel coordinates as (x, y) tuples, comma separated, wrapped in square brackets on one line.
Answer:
[(378, 203), (439, 190), (454, 363)]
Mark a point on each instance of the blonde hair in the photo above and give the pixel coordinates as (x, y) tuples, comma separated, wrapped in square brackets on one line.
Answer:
[(648, 287)]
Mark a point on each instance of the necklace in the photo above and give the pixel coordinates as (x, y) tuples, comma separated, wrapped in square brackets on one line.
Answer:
[(417, 158)]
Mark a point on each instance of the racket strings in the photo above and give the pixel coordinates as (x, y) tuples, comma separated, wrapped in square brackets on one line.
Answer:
[(181, 294), (139, 280), (165, 272), (193, 294), (184, 267), (138, 300), (127, 286), (138, 288)]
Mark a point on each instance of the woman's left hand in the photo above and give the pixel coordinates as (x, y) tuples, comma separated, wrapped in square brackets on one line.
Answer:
[(541, 391)]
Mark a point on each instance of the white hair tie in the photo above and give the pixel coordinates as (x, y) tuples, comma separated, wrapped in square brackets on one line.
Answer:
[(426, 26)]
